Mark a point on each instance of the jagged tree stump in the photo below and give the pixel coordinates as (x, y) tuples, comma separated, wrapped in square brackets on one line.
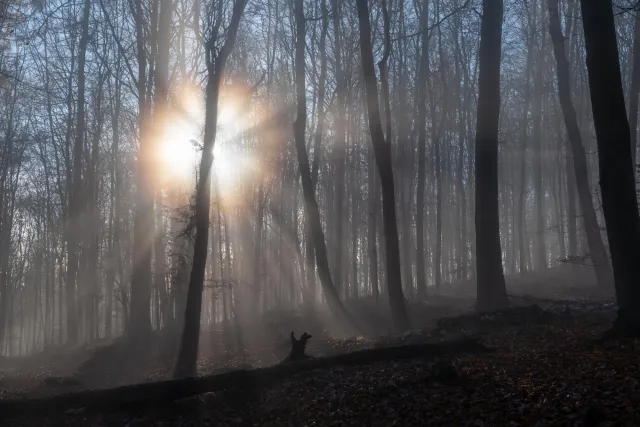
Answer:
[(298, 347)]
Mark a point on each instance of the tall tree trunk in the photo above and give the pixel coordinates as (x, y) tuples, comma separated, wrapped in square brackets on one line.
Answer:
[(594, 238), (257, 253), (75, 202), (436, 135), (310, 249), (572, 216), (311, 206), (355, 196), (372, 228), (490, 278), (422, 151), (635, 88), (188, 354), (382, 150), (523, 242), (143, 221), (162, 99), (617, 178), (540, 259), (339, 146)]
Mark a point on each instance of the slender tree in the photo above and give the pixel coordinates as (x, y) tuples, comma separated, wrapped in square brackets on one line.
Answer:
[(594, 238), (382, 151), (422, 150), (310, 204), (216, 62), (143, 223), (76, 195)]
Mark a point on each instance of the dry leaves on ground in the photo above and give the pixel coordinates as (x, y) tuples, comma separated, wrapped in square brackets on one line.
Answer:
[(548, 373)]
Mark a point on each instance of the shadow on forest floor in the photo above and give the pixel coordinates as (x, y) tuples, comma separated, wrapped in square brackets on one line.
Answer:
[(546, 370), (267, 342)]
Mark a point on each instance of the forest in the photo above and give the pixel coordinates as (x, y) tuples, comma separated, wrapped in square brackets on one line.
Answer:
[(431, 189)]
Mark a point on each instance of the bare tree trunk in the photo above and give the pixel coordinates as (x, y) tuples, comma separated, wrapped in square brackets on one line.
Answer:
[(188, 354), (540, 259), (372, 187), (75, 201), (382, 151), (310, 249), (421, 99), (522, 209), (635, 88), (572, 216), (617, 178), (93, 220), (436, 135), (143, 222), (372, 228), (161, 97), (354, 188), (339, 147), (491, 286), (594, 238), (311, 206)]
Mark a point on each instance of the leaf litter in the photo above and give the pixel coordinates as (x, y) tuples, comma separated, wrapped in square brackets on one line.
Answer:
[(546, 371)]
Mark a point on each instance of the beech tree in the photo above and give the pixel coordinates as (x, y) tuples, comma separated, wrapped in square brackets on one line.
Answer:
[(310, 203), (491, 285), (382, 151), (617, 177), (216, 62), (592, 229)]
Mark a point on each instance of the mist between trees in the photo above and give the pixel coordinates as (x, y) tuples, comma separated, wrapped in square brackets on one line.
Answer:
[(227, 158)]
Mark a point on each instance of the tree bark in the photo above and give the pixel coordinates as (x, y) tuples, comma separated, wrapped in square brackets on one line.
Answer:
[(594, 238), (339, 147), (421, 99), (143, 222), (634, 89), (522, 212), (540, 248), (492, 293), (382, 151), (162, 99), (75, 201), (617, 178), (311, 206), (188, 354), (317, 141)]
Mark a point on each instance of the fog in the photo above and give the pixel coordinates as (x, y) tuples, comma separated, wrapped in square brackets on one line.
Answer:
[(106, 110)]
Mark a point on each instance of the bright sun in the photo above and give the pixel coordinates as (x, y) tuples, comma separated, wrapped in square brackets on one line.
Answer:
[(179, 154)]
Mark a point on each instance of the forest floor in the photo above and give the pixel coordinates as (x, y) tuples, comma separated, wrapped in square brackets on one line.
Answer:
[(549, 370)]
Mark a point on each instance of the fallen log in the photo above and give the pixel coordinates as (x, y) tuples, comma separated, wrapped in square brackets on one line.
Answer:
[(153, 394)]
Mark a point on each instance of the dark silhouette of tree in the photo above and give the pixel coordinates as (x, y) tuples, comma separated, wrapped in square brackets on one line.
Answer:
[(310, 204), (382, 150), (143, 222), (617, 177), (596, 246), (491, 285), (421, 100), (216, 62)]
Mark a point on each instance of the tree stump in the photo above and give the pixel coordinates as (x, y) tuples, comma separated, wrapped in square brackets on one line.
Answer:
[(298, 347)]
